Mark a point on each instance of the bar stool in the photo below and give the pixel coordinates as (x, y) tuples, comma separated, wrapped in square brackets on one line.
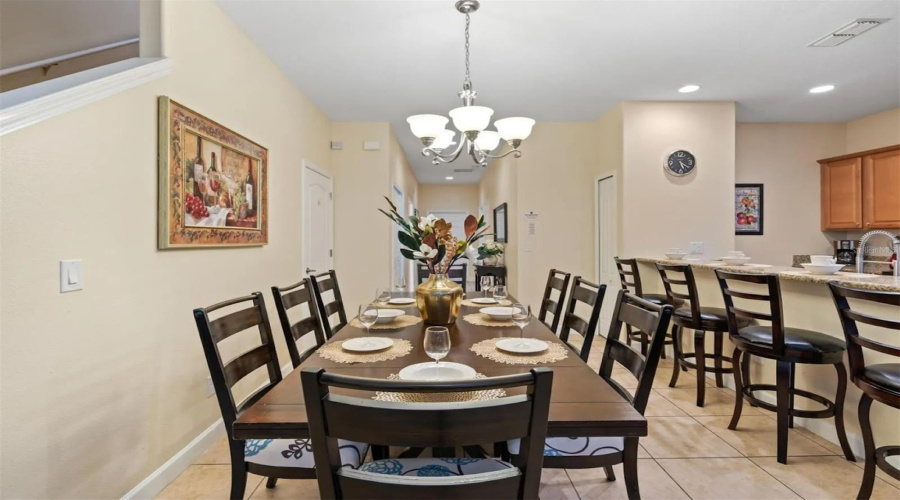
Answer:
[(700, 319), (628, 268), (879, 382), (787, 346)]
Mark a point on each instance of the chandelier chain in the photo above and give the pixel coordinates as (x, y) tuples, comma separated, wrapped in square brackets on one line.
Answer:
[(467, 83)]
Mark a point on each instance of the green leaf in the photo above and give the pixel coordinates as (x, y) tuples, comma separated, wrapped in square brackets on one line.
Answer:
[(407, 254), (442, 252), (407, 240)]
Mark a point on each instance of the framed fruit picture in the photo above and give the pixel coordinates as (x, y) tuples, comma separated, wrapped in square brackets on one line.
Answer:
[(748, 209), (212, 183)]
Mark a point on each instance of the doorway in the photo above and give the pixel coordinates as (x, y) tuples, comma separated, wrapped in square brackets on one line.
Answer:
[(606, 234), (398, 267), (318, 217)]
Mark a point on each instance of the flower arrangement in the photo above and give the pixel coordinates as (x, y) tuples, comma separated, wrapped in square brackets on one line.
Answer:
[(428, 239), (489, 249)]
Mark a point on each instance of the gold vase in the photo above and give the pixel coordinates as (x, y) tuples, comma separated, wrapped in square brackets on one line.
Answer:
[(438, 299)]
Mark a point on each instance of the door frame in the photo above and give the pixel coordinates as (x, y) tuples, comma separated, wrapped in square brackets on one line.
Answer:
[(308, 165), (602, 177)]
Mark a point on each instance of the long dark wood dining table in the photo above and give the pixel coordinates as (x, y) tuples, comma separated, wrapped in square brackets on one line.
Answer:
[(582, 403)]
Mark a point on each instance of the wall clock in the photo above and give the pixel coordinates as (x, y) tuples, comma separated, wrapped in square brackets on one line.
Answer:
[(680, 163)]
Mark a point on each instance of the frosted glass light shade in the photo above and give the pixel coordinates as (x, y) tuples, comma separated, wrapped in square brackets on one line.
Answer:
[(423, 126), (487, 140), (471, 118), (516, 128), (444, 140)]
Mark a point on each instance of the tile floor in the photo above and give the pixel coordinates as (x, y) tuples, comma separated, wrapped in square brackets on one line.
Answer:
[(690, 453)]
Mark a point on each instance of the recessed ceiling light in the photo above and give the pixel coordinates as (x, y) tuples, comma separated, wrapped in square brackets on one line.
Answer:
[(449, 178), (687, 89), (821, 88)]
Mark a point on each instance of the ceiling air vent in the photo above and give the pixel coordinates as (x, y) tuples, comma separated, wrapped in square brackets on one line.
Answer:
[(847, 32)]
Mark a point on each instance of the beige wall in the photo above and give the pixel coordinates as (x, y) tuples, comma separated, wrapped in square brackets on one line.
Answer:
[(100, 387), (783, 156), (610, 160), (874, 131), (403, 177), (450, 197), (497, 186)]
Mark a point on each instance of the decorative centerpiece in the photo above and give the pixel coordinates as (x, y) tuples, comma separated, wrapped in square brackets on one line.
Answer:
[(429, 241), (490, 252)]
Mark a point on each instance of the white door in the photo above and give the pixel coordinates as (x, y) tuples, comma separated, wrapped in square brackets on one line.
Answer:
[(318, 214), (606, 248), (398, 268)]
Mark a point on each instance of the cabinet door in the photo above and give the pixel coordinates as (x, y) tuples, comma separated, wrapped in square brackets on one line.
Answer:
[(881, 190), (842, 194)]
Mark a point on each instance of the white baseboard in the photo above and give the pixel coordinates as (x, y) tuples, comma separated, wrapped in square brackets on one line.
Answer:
[(153, 484)]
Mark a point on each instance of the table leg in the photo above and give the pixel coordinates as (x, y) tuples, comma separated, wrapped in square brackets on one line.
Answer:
[(631, 466)]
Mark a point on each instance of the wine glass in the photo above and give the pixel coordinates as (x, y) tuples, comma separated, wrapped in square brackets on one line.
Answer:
[(485, 285), (382, 296), (437, 342), (368, 315), (500, 293), (521, 316)]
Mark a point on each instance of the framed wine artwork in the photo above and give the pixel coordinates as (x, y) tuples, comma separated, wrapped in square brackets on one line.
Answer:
[(212, 183), (748, 209)]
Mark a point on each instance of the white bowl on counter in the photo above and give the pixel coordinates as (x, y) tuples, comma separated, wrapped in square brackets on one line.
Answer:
[(735, 261), (823, 268), (676, 256), (500, 313)]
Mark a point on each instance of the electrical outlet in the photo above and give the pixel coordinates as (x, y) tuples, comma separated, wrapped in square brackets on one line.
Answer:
[(697, 247), (210, 389)]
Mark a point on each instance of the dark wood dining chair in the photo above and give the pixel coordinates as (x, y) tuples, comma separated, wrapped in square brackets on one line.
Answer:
[(322, 283), (272, 458), (591, 295), (422, 425), (678, 280), (630, 277), (299, 295), (557, 281), (787, 347), (606, 451), (458, 273), (878, 382)]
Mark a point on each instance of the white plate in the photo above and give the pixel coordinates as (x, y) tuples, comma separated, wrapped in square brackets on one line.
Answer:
[(498, 312), (823, 268), (437, 371), (484, 300), (397, 301), (386, 315), (676, 256), (522, 346), (366, 344), (735, 261)]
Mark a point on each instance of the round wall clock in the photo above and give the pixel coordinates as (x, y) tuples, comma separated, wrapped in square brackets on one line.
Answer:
[(680, 163)]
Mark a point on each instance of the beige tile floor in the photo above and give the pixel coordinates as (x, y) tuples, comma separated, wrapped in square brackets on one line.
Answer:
[(690, 453)]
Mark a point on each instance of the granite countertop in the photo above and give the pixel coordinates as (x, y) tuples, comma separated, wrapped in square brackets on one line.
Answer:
[(864, 281)]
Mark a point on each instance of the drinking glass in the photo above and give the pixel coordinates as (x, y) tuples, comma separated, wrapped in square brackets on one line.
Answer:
[(485, 285), (382, 296), (521, 316), (400, 285), (368, 315), (500, 293), (437, 342)]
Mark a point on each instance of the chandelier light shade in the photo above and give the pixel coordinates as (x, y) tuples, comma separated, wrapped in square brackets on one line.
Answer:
[(469, 119)]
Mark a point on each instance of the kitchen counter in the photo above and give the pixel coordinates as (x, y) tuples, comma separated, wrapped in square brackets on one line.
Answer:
[(864, 281)]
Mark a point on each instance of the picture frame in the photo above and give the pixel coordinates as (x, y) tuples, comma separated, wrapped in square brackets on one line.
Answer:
[(500, 224), (748, 208), (213, 183)]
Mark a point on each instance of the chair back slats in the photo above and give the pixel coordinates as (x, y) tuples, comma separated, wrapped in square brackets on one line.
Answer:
[(647, 317), (322, 283), (850, 317), (582, 294), (243, 365), (628, 268), (559, 281), (427, 425), (235, 322), (682, 276), (591, 295), (772, 295), (332, 308), (298, 295)]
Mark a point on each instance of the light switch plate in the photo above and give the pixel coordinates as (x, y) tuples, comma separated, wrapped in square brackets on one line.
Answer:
[(697, 247), (71, 276)]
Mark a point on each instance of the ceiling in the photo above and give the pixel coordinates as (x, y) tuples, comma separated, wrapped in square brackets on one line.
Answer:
[(572, 61)]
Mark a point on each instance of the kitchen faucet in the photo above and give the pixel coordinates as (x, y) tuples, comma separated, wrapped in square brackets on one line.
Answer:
[(861, 251)]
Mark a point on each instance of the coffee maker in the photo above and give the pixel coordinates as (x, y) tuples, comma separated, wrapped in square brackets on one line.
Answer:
[(845, 251)]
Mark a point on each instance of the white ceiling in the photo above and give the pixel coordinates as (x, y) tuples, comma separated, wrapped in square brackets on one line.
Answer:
[(572, 61)]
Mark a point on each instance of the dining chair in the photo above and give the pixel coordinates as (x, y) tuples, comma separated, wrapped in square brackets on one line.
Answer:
[(630, 277), (558, 281), (272, 458), (297, 295), (590, 452), (787, 346), (678, 280), (334, 416), (458, 273), (878, 382), (591, 295), (322, 283)]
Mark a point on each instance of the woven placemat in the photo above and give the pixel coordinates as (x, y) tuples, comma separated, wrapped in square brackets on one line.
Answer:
[(444, 397), (468, 302), (402, 321), (488, 349), (482, 319), (334, 352)]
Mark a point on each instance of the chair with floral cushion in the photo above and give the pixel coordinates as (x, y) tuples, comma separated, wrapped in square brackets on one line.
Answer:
[(272, 458), (605, 451), (333, 417), (287, 298)]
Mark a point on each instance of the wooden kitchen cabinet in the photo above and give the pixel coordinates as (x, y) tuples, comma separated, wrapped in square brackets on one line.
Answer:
[(861, 190)]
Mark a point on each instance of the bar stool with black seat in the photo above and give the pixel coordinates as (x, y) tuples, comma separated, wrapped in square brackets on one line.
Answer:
[(272, 458), (298, 295), (591, 295), (322, 283), (628, 270), (699, 318), (787, 347), (879, 381), (557, 281)]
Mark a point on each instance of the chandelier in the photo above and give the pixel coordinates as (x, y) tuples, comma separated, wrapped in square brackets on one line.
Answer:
[(470, 120)]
